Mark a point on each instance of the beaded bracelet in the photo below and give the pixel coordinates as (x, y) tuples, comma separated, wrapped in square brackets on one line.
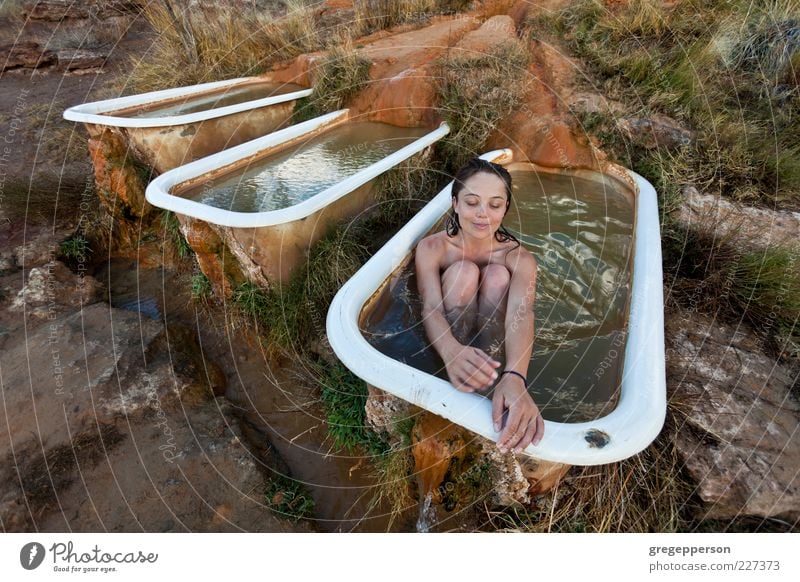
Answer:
[(524, 379)]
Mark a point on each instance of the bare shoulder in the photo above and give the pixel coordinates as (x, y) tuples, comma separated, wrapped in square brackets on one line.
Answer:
[(431, 246), (521, 260)]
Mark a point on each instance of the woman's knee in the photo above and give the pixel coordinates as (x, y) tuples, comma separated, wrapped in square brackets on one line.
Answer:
[(495, 280), (460, 283)]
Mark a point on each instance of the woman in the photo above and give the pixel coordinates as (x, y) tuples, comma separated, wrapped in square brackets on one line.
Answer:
[(473, 277)]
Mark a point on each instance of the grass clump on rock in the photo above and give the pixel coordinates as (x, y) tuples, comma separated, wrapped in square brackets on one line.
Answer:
[(475, 94), (341, 74)]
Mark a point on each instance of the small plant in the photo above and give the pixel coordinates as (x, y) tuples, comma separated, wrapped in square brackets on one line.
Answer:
[(201, 287), (172, 228), (253, 300), (289, 499), (76, 249)]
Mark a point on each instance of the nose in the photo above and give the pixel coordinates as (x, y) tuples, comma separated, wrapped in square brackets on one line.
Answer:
[(481, 210)]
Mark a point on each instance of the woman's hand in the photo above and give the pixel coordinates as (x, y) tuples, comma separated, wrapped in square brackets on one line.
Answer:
[(524, 424), (469, 368)]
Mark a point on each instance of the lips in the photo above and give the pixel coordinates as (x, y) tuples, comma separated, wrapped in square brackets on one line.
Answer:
[(480, 226)]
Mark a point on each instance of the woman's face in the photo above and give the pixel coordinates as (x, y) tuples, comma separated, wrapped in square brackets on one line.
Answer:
[(481, 205)]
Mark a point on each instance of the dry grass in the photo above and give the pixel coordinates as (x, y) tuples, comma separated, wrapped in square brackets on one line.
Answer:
[(341, 74), (372, 15), (210, 43), (646, 493), (475, 94), (727, 69)]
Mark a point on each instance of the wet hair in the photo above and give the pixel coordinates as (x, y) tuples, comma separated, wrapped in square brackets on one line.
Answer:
[(477, 166)]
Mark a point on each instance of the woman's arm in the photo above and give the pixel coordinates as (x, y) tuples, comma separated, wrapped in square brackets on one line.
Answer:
[(468, 368), (524, 424)]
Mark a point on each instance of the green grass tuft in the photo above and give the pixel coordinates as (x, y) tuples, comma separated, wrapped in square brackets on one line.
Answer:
[(76, 249), (201, 287), (344, 396), (172, 228), (289, 499)]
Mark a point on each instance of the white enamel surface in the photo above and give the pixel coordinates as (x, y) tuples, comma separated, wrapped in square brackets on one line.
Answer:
[(158, 191), (96, 112), (641, 410)]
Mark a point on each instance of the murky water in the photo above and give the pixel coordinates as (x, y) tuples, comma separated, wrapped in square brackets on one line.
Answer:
[(207, 101), (581, 233), (285, 178)]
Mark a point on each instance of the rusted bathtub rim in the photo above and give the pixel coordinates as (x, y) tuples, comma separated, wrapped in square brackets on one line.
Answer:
[(159, 191), (627, 430), (97, 112)]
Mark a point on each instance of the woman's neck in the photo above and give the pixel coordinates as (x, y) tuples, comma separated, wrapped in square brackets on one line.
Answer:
[(474, 247)]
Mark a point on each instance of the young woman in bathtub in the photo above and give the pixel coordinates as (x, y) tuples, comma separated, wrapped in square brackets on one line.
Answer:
[(477, 281)]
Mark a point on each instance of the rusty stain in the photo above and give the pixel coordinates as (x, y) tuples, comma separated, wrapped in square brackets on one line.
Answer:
[(597, 438)]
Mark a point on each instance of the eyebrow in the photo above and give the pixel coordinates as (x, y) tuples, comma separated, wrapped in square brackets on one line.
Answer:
[(492, 198)]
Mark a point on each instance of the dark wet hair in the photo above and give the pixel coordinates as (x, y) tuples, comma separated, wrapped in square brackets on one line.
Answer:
[(477, 166)]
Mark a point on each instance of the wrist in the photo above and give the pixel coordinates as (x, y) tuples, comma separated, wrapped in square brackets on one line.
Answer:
[(516, 375)]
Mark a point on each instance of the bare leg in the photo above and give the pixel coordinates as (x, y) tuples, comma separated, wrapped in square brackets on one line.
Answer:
[(492, 302), (460, 296)]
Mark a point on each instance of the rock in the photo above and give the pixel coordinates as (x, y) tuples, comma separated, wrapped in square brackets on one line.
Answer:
[(53, 288), (384, 409), (739, 440), (754, 227), (74, 59), (496, 31), (8, 262), (57, 10), (657, 132), (120, 420), (402, 89), (213, 256), (25, 55)]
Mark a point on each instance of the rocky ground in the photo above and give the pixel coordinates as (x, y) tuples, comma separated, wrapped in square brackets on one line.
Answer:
[(128, 407)]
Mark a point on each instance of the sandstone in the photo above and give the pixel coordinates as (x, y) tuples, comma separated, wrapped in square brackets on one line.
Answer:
[(27, 55), (103, 405), (738, 438), (496, 31), (56, 10), (657, 132), (760, 227), (75, 59), (52, 289)]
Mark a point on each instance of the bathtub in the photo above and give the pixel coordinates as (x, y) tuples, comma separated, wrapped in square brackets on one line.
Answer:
[(270, 244), (641, 407), (174, 126)]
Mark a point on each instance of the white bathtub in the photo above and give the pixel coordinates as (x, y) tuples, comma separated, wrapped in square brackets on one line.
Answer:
[(640, 412), (277, 240), (167, 141)]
